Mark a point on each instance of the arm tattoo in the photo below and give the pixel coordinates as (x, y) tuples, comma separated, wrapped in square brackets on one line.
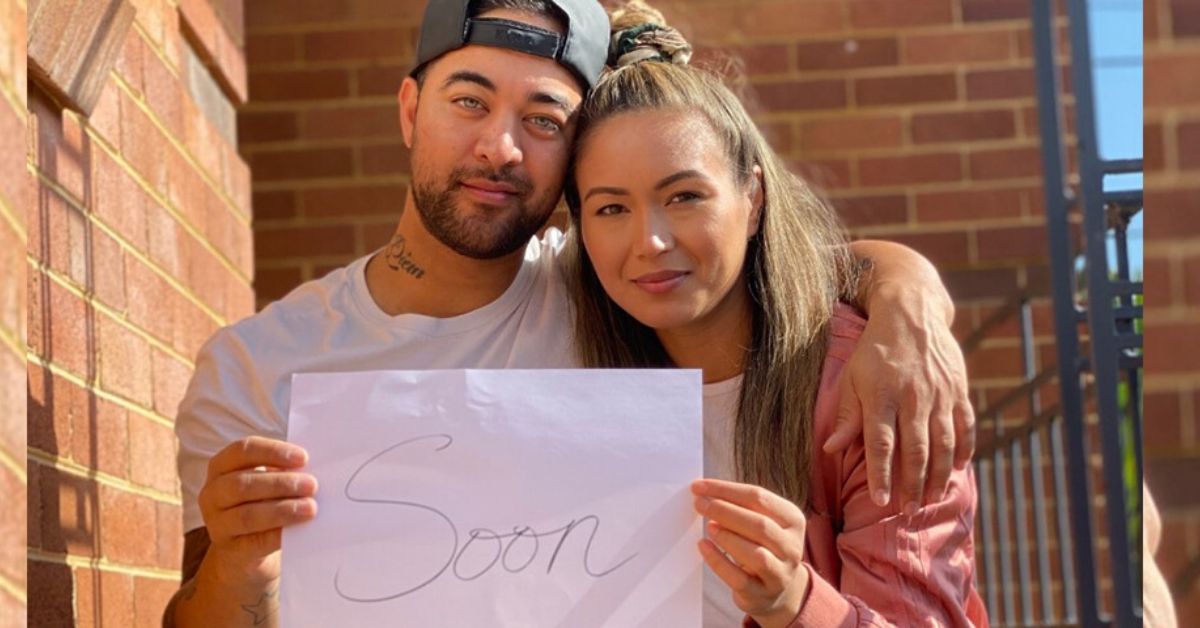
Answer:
[(266, 606), (398, 258)]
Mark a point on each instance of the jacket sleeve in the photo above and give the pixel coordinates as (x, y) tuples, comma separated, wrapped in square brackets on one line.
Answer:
[(893, 570), (898, 571)]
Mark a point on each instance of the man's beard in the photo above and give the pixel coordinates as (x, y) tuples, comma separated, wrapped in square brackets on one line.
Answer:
[(486, 238)]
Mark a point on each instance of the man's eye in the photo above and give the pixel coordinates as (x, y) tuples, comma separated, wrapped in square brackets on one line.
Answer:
[(467, 102), (545, 123)]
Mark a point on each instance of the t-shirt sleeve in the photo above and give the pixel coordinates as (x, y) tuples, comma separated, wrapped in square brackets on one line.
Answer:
[(225, 401)]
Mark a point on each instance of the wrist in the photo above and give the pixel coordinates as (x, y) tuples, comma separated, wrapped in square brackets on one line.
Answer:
[(788, 612), (887, 295)]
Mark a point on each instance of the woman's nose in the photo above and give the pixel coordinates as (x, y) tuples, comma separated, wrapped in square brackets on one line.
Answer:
[(655, 237)]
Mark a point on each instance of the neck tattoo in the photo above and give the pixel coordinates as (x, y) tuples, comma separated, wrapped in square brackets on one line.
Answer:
[(398, 258)]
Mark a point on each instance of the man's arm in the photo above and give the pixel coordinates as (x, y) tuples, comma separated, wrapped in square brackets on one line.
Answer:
[(231, 566), (907, 372), (200, 602)]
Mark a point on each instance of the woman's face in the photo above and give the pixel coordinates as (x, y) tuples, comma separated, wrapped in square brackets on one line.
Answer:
[(664, 220)]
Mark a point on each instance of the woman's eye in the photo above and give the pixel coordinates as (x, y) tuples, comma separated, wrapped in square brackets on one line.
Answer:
[(609, 210)]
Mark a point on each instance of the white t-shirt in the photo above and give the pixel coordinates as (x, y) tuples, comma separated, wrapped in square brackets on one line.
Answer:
[(242, 383), (720, 412)]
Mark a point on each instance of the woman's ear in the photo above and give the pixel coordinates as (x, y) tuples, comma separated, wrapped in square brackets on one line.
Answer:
[(757, 202), (408, 96)]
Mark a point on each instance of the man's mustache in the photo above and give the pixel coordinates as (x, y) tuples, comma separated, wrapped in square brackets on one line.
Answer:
[(522, 185)]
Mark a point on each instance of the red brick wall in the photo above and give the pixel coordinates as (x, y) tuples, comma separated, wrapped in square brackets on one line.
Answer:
[(1172, 135), (139, 247), (14, 197), (321, 132), (918, 118)]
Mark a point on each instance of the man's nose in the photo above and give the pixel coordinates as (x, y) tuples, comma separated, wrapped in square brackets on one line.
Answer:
[(499, 145)]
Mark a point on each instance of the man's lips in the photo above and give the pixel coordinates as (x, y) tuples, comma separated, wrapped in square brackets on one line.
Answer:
[(661, 281), (487, 185)]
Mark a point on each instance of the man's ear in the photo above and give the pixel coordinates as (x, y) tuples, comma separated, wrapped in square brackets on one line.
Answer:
[(408, 96), (757, 200)]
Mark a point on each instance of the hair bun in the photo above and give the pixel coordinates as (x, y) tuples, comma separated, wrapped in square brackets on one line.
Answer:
[(640, 33)]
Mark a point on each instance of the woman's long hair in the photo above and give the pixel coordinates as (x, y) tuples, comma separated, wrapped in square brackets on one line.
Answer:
[(797, 266)]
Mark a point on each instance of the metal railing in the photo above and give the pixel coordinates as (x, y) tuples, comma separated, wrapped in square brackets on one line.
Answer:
[(1098, 373)]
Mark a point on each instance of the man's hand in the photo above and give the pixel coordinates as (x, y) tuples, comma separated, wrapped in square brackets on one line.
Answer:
[(254, 490), (907, 372)]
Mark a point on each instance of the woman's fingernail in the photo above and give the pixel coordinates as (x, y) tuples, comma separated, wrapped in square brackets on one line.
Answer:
[(880, 497)]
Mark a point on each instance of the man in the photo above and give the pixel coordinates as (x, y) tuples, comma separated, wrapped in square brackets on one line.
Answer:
[(489, 116)]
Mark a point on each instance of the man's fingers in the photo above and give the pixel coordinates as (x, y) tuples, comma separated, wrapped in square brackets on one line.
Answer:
[(261, 517), (256, 451), (914, 456), (964, 434), (242, 487), (879, 434), (941, 453), (849, 423)]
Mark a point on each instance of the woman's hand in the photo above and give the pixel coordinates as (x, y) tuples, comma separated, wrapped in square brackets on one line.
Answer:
[(755, 545)]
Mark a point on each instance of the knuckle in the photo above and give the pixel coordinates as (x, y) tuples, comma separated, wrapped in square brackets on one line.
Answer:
[(248, 517), (916, 452), (879, 445), (761, 497), (762, 528), (244, 484), (760, 559)]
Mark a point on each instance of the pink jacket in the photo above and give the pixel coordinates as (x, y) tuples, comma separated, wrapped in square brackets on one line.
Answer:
[(872, 566)]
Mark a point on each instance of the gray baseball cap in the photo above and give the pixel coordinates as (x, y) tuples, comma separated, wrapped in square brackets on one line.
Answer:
[(583, 49)]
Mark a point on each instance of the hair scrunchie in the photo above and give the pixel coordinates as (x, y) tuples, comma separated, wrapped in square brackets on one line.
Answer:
[(648, 42)]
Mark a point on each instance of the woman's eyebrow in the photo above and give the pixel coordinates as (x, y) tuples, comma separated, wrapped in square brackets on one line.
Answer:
[(668, 180), (678, 176), (605, 190)]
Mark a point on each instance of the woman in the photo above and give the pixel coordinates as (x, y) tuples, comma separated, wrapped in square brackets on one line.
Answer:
[(699, 250)]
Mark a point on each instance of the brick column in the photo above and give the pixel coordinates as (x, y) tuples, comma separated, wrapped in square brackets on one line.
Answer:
[(139, 247), (14, 198), (1172, 426)]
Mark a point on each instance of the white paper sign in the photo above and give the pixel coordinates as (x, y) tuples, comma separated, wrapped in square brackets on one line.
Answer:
[(497, 498)]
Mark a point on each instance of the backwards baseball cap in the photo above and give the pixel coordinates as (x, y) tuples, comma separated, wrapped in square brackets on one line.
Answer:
[(582, 49)]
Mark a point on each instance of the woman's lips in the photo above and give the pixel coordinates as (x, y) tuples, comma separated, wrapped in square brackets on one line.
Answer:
[(661, 282)]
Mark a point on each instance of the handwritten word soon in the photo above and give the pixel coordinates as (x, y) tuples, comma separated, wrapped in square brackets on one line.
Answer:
[(515, 551)]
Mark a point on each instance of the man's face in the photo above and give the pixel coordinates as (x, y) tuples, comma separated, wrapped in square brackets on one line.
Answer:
[(490, 132)]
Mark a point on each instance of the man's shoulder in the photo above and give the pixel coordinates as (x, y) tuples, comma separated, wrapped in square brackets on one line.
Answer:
[(291, 321)]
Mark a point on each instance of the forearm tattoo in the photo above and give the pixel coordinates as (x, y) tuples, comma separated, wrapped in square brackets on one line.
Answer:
[(398, 258), (266, 606)]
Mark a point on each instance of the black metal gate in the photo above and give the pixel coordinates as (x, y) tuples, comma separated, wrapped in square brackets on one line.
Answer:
[(1096, 425)]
